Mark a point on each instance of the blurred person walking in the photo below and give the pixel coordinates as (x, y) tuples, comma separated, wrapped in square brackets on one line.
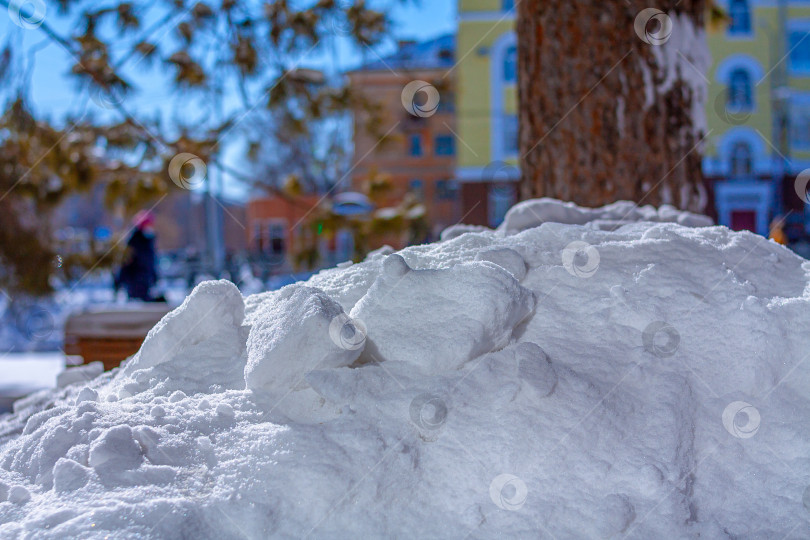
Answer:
[(138, 273)]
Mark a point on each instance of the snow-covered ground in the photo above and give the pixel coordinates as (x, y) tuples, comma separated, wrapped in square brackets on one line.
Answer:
[(22, 374), (602, 379), (37, 324)]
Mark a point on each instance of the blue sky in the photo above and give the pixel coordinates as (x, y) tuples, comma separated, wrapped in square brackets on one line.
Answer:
[(54, 94)]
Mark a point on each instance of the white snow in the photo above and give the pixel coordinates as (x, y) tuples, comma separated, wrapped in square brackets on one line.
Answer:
[(479, 300), (607, 377), (533, 213), (298, 330), (685, 57), (23, 373), (33, 371)]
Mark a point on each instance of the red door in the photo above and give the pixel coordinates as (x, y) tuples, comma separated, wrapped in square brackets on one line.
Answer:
[(744, 220)]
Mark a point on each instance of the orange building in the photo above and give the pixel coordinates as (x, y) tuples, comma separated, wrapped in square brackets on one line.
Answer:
[(273, 224), (276, 229), (419, 152), (418, 155)]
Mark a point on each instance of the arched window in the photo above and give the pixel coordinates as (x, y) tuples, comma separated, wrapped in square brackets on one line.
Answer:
[(740, 15), (510, 65), (741, 160), (740, 91)]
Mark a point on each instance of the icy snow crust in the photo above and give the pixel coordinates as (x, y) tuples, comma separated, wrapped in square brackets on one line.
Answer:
[(543, 379)]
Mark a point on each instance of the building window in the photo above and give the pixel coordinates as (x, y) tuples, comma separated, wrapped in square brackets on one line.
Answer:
[(446, 190), (740, 92), (510, 65), (800, 126), (447, 104), (501, 199), (344, 245), (417, 187), (740, 15), (507, 5), (276, 233), (258, 237), (445, 145), (511, 135), (741, 160), (415, 147), (799, 51)]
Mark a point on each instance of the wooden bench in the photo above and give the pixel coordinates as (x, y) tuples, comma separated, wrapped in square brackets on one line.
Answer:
[(110, 335)]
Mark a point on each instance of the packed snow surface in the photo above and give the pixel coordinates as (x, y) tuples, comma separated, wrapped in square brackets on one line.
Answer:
[(564, 380)]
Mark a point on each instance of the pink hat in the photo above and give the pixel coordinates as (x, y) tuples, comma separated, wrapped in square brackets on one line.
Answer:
[(143, 219)]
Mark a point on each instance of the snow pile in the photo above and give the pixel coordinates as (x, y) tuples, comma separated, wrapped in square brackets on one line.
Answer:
[(535, 212), (299, 330), (478, 300), (645, 380)]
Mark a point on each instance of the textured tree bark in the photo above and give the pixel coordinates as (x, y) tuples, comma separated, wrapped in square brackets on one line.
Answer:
[(612, 108)]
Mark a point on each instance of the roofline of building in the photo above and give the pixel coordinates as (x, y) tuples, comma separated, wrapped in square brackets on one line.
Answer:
[(398, 71), (366, 69)]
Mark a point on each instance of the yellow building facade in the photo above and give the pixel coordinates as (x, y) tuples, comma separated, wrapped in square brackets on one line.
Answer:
[(486, 81), (759, 88), (760, 66)]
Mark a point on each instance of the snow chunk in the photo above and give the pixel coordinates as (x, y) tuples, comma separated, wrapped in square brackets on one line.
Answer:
[(86, 395), (116, 449), (225, 410), (69, 475), (300, 330), (19, 495), (473, 308), (195, 348), (211, 306), (158, 411)]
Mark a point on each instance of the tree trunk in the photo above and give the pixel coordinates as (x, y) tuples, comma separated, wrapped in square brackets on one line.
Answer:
[(612, 108)]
